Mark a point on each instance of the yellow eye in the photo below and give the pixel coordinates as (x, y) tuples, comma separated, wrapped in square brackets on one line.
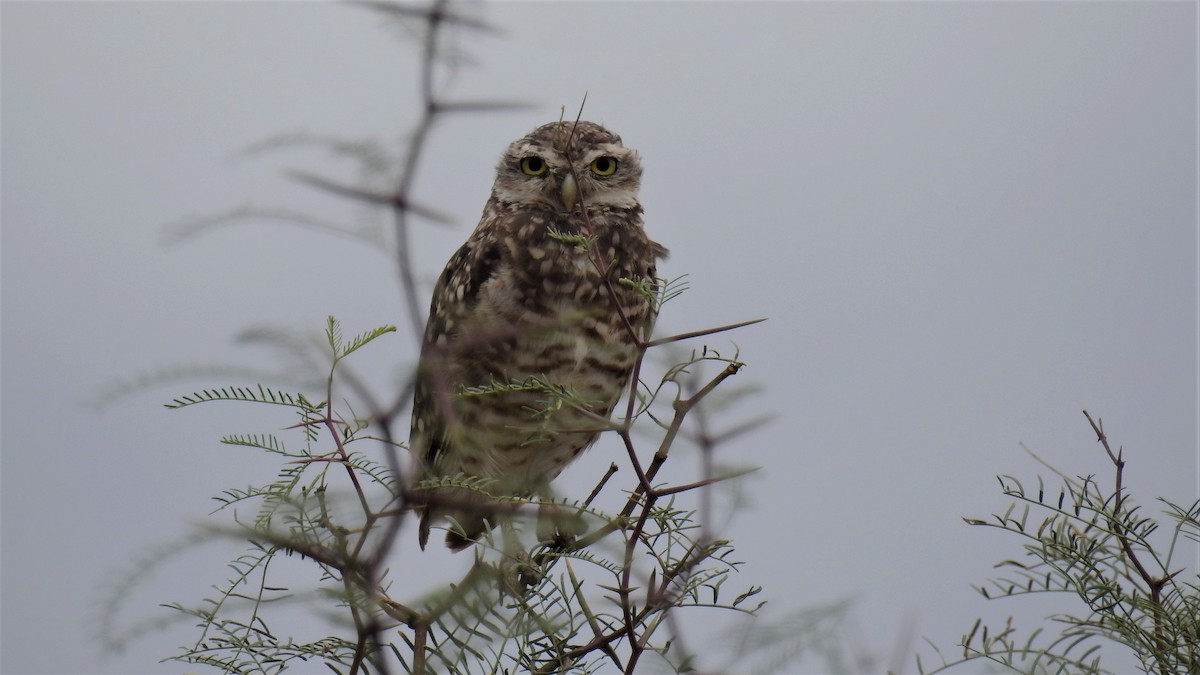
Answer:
[(604, 166), (533, 166)]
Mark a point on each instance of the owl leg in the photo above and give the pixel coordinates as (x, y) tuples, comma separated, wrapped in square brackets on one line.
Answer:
[(466, 529), (467, 522), (558, 525)]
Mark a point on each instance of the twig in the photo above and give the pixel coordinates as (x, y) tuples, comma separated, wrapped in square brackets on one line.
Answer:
[(700, 333), (1155, 584)]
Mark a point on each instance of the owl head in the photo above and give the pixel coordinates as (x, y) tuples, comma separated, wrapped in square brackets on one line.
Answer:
[(537, 170)]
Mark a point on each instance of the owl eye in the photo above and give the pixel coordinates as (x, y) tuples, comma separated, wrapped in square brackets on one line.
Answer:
[(604, 166), (533, 166)]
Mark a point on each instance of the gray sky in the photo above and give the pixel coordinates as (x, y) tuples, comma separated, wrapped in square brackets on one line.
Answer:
[(966, 222)]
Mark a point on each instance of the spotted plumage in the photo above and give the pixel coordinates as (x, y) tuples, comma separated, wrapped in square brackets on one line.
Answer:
[(525, 352)]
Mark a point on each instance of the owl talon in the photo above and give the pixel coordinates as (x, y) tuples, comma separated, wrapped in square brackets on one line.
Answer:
[(518, 572)]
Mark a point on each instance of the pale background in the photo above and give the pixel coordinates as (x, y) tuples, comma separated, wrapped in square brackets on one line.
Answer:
[(966, 222)]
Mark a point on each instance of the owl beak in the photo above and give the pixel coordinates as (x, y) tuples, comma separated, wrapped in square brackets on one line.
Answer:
[(569, 192)]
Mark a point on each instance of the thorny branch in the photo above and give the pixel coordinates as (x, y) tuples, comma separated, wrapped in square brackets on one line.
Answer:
[(433, 17), (1154, 583)]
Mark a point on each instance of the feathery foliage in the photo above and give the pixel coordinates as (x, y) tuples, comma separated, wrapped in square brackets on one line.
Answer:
[(561, 608), (1095, 546)]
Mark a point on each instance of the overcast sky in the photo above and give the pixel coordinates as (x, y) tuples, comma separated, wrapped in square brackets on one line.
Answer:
[(966, 222)]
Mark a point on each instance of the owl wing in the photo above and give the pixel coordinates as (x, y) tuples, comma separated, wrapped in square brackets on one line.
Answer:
[(454, 298), (657, 252)]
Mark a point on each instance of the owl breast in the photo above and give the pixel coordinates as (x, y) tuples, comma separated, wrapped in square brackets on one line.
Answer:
[(558, 332)]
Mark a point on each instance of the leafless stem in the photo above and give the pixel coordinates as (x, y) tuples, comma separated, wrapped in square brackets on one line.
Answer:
[(612, 469)]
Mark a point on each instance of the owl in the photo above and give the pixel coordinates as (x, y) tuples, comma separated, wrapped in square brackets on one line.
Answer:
[(527, 350)]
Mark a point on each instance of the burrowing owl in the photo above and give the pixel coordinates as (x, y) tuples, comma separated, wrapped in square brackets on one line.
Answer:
[(525, 352)]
